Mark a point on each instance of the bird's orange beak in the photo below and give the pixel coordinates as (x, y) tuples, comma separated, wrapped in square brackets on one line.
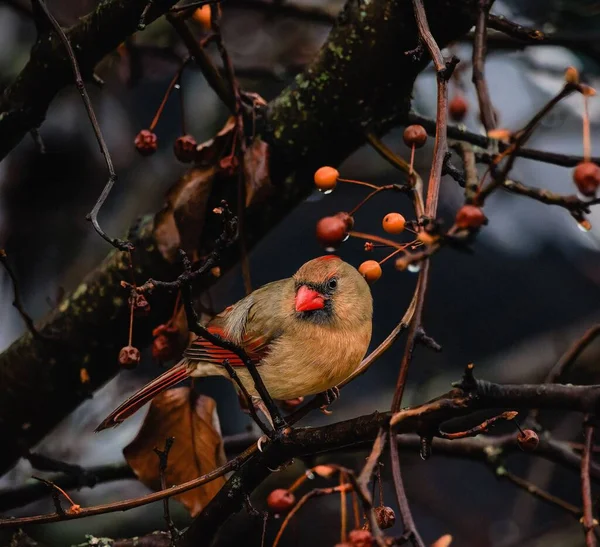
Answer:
[(308, 299)]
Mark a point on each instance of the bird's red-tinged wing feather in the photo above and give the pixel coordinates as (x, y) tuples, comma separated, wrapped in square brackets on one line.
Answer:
[(256, 347)]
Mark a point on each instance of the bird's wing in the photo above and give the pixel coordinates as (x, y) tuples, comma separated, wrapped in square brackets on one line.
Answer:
[(252, 324)]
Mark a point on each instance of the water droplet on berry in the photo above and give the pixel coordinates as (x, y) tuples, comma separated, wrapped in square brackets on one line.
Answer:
[(310, 475), (414, 267), (177, 86), (346, 238), (327, 192), (330, 249), (585, 198)]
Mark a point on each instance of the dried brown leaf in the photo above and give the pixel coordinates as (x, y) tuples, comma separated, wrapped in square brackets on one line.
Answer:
[(210, 152), (198, 448), (256, 172), (180, 222)]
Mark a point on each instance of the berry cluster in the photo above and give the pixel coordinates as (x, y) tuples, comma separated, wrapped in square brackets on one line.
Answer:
[(283, 500)]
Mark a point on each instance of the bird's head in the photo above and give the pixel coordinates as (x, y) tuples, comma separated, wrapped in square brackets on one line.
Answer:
[(331, 291)]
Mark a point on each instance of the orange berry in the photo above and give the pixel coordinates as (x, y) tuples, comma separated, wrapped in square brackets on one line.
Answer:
[(326, 178), (393, 223), (470, 216), (281, 500), (370, 270), (587, 178), (426, 238), (202, 15), (331, 231), (415, 135), (458, 108), (528, 440)]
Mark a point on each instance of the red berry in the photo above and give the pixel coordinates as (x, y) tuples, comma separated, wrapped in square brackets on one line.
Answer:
[(326, 178), (185, 148), (348, 220), (331, 231), (394, 223), (141, 306), (587, 178), (385, 517), (281, 500), (129, 357), (470, 216), (146, 142), (370, 270), (415, 135), (360, 538), (167, 330), (458, 108), (528, 440), (162, 348)]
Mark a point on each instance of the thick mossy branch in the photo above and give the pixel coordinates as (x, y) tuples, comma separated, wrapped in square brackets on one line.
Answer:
[(40, 381), (24, 103), (361, 78)]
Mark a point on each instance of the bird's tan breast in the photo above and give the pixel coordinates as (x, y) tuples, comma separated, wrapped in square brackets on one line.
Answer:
[(313, 359)]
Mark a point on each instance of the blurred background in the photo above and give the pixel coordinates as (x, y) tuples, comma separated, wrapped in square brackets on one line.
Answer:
[(530, 288)]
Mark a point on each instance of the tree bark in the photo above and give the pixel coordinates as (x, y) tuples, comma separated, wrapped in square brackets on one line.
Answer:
[(362, 79)]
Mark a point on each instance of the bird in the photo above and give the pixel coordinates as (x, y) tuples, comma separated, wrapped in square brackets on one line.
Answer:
[(305, 334)]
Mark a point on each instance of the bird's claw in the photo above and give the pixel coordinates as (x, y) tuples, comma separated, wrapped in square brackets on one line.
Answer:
[(263, 439), (273, 436), (330, 395)]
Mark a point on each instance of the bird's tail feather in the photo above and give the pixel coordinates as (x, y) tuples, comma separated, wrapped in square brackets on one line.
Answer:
[(173, 376)]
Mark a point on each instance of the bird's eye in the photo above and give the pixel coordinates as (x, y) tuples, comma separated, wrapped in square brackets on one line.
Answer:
[(332, 284)]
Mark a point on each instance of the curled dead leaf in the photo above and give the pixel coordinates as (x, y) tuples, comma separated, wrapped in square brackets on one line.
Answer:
[(180, 222), (256, 172), (198, 448)]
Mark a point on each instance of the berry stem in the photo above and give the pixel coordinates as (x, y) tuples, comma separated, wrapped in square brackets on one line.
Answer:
[(393, 254), (412, 160), (373, 193), (382, 240), (359, 183), (587, 145), (131, 321), (181, 103), (356, 510), (167, 95), (343, 508)]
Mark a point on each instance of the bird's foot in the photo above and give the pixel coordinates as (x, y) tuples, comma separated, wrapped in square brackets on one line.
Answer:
[(330, 395), (274, 435)]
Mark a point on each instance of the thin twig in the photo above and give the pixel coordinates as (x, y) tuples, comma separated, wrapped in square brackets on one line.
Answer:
[(462, 134), (514, 30), (17, 302), (586, 488), (163, 458), (112, 176), (538, 492), (483, 427), (486, 109)]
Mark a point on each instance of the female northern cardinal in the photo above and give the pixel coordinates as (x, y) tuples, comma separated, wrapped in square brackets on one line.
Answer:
[(305, 333)]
